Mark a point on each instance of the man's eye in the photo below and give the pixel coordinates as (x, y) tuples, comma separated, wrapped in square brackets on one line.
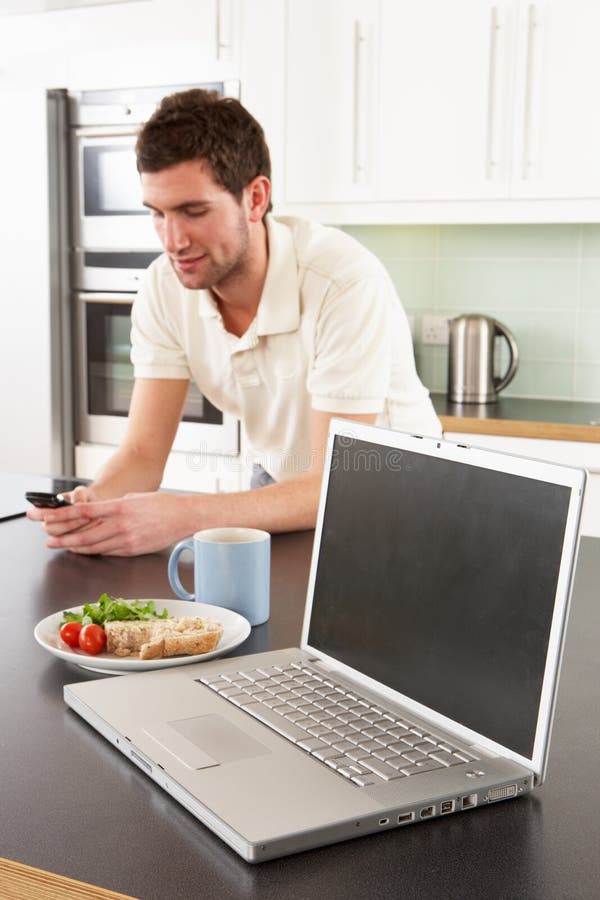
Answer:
[(196, 213)]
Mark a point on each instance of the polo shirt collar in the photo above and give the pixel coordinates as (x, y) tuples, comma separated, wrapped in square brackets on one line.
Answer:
[(279, 307)]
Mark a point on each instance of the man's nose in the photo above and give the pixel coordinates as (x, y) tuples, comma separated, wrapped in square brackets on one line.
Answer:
[(174, 235)]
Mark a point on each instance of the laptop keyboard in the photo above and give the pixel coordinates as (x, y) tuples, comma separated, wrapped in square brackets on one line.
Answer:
[(360, 740)]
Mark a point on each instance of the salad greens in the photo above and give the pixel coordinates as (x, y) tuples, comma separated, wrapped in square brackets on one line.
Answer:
[(111, 609)]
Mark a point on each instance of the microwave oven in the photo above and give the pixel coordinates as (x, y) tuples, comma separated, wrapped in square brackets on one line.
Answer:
[(107, 210)]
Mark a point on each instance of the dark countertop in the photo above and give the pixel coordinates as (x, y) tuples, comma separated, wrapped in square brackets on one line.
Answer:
[(522, 417), (72, 804)]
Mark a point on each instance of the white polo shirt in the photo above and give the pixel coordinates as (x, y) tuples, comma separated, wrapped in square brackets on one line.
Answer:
[(330, 334)]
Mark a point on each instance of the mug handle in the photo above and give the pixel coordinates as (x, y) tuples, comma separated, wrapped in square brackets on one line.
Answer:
[(173, 570)]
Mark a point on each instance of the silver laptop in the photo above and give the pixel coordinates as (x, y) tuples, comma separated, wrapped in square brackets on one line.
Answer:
[(426, 678)]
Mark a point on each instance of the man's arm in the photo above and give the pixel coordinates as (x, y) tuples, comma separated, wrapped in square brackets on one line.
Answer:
[(154, 414), (143, 523)]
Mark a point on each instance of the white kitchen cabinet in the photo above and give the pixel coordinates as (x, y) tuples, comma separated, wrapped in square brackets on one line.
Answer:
[(474, 110), (332, 61), (485, 99), (582, 454), (444, 98), (556, 146)]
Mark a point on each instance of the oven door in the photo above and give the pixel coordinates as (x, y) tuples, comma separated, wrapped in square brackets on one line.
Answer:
[(106, 381), (107, 194)]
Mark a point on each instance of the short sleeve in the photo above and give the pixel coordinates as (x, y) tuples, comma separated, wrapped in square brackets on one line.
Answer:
[(157, 350)]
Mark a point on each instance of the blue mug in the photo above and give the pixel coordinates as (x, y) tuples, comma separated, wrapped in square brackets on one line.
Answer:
[(232, 568)]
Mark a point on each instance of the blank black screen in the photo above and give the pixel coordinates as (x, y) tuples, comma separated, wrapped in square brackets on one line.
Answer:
[(438, 579)]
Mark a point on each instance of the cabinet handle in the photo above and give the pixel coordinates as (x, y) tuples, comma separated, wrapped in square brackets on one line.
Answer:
[(492, 157), (360, 145), (224, 30), (532, 30)]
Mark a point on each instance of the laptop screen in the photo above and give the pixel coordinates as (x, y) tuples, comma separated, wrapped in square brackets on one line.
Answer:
[(438, 578)]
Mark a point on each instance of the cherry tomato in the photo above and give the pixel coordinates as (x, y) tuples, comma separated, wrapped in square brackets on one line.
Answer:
[(69, 632), (92, 638)]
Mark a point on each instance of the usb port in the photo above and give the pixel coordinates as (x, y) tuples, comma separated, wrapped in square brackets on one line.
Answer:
[(427, 812), (405, 818)]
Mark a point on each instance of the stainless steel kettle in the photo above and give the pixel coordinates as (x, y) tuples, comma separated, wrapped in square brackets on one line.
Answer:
[(471, 377)]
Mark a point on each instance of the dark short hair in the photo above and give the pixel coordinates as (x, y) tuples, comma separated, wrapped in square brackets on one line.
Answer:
[(199, 124)]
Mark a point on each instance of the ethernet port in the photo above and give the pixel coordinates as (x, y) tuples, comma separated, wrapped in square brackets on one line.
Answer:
[(469, 801)]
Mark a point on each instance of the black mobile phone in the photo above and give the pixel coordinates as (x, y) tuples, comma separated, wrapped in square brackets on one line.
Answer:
[(46, 501)]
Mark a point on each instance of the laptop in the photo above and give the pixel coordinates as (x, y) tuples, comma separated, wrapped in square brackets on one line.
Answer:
[(425, 682)]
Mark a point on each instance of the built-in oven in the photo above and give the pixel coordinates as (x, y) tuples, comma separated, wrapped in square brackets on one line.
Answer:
[(113, 243), (106, 379)]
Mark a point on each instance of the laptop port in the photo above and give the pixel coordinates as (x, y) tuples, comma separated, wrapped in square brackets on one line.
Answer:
[(427, 812), (446, 806), (468, 801), (405, 818), (384, 821)]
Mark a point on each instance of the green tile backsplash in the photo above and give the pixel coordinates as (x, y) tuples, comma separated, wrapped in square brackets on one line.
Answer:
[(541, 281)]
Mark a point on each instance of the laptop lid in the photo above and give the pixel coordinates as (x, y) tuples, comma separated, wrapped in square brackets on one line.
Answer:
[(441, 577)]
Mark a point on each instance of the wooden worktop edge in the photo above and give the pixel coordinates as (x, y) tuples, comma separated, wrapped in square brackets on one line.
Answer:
[(551, 431), (21, 882)]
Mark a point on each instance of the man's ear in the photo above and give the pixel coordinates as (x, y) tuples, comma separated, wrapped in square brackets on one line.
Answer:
[(258, 194)]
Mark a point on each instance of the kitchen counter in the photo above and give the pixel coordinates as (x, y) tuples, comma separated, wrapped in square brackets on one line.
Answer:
[(561, 420), (72, 805)]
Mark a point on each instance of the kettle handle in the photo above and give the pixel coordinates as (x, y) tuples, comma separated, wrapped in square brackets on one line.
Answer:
[(502, 331)]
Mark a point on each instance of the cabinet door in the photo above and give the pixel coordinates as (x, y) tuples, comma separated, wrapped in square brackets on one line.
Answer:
[(445, 82), (556, 151), (331, 74)]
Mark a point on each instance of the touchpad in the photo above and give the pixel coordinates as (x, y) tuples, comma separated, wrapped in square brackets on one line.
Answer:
[(203, 741)]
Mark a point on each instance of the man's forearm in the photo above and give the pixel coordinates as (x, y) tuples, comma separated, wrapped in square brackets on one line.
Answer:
[(127, 471), (287, 506)]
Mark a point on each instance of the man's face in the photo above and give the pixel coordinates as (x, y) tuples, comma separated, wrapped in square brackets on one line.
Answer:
[(202, 227)]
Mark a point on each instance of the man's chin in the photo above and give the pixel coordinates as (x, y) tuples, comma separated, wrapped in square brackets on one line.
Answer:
[(194, 281)]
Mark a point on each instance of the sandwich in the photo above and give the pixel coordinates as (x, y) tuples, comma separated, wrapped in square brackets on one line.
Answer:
[(159, 638)]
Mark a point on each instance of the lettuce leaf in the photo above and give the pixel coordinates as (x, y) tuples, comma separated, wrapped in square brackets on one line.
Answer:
[(112, 609)]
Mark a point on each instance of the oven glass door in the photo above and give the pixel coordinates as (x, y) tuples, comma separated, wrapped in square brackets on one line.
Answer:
[(107, 378), (108, 195), (110, 183)]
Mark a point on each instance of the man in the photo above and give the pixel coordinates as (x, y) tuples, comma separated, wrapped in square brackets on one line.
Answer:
[(282, 323)]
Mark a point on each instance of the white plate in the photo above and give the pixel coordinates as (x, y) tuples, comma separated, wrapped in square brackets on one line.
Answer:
[(235, 630)]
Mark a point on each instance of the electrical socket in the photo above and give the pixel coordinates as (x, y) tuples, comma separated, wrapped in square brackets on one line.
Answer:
[(434, 329)]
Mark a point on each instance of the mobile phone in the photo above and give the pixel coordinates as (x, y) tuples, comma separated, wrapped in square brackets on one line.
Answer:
[(46, 501)]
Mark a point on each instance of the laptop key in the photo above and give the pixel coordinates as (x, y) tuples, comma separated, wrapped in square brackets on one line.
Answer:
[(380, 768), (364, 780), (330, 737), (311, 744), (279, 723), (343, 746), (414, 756), (442, 756), (357, 754), (326, 753)]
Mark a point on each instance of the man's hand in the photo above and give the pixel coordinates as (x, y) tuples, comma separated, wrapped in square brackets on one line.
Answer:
[(60, 525), (128, 526)]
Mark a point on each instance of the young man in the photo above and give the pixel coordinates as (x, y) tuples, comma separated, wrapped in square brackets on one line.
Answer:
[(281, 322)]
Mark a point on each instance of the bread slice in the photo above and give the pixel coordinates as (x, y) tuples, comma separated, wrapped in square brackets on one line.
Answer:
[(159, 638)]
